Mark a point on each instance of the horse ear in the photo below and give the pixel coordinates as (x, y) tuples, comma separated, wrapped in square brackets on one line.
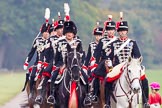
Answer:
[(140, 59), (129, 59), (143, 68)]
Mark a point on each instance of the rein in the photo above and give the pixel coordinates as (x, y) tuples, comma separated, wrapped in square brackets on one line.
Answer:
[(129, 82)]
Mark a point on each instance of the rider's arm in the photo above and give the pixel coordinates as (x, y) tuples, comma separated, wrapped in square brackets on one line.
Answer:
[(135, 51), (88, 56), (98, 50)]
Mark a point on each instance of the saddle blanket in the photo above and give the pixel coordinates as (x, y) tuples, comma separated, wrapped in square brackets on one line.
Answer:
[(117, 71)]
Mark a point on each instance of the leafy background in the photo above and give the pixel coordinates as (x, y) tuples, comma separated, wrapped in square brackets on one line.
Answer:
[(20, 21)]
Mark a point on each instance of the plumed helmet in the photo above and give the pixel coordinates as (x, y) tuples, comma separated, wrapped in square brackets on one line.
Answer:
[(69, 26), (109, 24), (155, 85), (122, 26), (45, 27), (59, 24), (98, 31)]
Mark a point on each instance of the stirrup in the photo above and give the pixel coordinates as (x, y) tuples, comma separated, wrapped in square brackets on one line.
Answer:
[(106, 106), (51, 100), (39, 100), (87, 101), (95, 99)]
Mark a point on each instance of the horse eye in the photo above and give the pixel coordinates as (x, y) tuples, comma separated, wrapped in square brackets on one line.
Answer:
[(129, 71)]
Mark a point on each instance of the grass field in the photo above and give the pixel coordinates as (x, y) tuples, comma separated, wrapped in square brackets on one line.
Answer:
[(155, 76), (12, 83)]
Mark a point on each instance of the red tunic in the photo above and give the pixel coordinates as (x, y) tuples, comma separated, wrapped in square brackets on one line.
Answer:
[(155, 98)]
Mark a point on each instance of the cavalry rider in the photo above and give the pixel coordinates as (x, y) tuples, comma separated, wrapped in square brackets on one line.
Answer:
[(102, 54), (38, 46), (90, 60), (122, 49), (50, 61)]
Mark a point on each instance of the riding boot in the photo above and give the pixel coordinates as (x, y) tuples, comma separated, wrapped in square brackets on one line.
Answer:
[(41, 90), (96, 90), (87, 100), (32, 82), (51, 99), (145, 93), (108, 92)]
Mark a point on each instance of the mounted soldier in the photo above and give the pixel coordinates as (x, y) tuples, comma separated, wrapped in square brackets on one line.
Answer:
[(90, 60), (37, 47), (122, 49), (102, 54), (50, 61)]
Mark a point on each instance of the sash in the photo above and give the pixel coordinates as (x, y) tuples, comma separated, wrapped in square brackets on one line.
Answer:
[(121, 47), (112, 40)]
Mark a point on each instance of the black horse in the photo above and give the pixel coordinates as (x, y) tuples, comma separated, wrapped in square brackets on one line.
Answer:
[(71, 91)]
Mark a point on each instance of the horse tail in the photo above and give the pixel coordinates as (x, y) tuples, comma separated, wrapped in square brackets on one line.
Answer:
[(73, 101)]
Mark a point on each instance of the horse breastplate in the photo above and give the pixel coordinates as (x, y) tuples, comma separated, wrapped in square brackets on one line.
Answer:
[(125, 53)]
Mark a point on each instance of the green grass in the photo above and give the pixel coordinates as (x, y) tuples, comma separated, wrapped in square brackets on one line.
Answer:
[(10, 85), (155, 76)]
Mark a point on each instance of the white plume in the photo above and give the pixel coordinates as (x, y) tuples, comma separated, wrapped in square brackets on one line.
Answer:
[(59, 14), (121, 14), (66, 8), (53, 20), (97, 23), (110, 16), (47, 13)]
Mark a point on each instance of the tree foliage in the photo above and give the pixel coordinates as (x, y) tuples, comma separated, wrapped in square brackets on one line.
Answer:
[(20, 21)]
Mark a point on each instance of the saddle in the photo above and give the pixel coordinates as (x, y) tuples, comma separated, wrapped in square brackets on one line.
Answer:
[(115, 73)]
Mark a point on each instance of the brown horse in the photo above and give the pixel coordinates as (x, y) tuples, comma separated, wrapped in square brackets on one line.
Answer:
[(31, 101)]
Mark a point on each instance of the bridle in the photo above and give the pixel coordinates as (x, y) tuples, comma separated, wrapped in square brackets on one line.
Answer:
[(74, 63), (129, 82)]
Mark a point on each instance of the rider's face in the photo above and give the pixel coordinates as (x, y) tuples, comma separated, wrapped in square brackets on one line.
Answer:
[(45, 35), (69, 36), (59, 31), (123, 33), (110, 32), (98, 37)]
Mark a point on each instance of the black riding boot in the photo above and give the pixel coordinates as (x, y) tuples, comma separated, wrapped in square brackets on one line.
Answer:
[(87, 100), (108, 92), (51, 99), (96, 90), (145, 93), (32, 82), (41, 90)]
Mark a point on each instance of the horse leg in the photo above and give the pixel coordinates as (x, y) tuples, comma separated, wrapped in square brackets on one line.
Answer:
[(30, 102), (102, 94)]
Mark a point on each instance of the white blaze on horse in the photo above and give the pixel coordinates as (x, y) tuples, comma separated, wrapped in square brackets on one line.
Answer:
[(128, 90)]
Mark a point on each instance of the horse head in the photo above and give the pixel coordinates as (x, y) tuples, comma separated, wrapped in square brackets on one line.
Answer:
[(134, 73), (73, 62)]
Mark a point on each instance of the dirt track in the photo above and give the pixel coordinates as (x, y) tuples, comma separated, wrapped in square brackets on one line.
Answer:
[(17, 102)]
